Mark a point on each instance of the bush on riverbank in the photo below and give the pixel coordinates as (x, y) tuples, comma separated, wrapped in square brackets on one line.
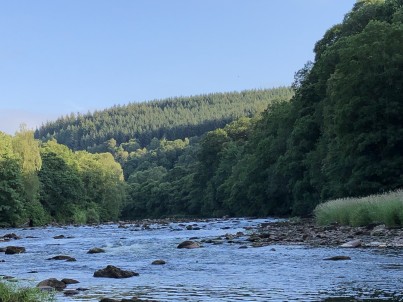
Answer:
[(13, 293), (382, 208)]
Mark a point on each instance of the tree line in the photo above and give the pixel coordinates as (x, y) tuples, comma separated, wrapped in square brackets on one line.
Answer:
[(170, 118)]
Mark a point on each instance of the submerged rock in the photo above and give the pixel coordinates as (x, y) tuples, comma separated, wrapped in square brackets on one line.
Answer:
[(158, 262), (52, 282), (188, 244), (114, 272), (62, 257), (71, 292), (134, 299), (338, 258), (14, 250)]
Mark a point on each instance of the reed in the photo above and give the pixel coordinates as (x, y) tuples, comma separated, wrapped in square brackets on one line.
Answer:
[(384, 208), (14, 293)]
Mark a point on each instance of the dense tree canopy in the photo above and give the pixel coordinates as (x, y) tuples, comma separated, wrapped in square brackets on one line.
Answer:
[(173, 118)]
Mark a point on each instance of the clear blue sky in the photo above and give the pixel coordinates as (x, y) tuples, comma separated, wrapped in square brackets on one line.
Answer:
[(64, 56)]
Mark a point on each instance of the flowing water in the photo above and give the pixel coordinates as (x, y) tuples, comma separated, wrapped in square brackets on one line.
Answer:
[(212, 273)]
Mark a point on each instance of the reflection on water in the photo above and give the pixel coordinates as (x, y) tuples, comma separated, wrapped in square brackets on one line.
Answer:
[(212, 273)]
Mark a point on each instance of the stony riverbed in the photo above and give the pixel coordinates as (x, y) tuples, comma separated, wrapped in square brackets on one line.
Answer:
[(232, 260)]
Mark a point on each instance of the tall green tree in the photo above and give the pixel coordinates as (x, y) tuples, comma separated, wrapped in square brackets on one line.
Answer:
[(366, 88), (11, 185), (61, 186), (27, 148)]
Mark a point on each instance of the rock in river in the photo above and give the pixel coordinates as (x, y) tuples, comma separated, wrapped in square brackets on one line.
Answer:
[(158, 262), (71, 292), (11, 236), (114, 272), (62, 257), (352, 244), (14, 250), (96, 250), (52, 282), (338, 258), (134, 299), (187, 244), (69, 281)]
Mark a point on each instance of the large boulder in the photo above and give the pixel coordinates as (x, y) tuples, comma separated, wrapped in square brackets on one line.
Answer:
[(188, 244), (114, 272), (52, 282), (14, 250)]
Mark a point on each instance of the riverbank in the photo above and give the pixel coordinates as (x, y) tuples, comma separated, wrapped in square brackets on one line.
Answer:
[(306, 232)]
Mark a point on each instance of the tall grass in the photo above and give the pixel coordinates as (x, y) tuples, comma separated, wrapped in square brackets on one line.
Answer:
[(14, 293), (382, 208)]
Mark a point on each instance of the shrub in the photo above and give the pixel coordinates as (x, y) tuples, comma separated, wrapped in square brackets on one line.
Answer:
[(13, 293), (92, 215), (79, 216), (35, 212)]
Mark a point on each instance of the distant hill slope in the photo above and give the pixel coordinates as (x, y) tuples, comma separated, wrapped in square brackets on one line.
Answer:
[(172, 118)]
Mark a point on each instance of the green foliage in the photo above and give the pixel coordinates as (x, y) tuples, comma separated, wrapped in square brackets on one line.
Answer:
[(92, 214), (60, 185), (13, 293), (11, 185), (11, 192), (27, 149), (383, 208), (36, 214)]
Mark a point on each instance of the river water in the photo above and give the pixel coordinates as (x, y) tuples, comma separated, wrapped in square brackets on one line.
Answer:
[(212, 273)]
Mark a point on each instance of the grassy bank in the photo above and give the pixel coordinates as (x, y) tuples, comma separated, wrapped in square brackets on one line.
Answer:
[(14, 293), (383, 208)]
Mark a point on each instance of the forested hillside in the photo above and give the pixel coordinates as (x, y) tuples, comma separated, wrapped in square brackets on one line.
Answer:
[(174, 118), (340, 135)]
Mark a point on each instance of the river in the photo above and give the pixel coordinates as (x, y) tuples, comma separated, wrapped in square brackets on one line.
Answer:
[(221, 272)]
